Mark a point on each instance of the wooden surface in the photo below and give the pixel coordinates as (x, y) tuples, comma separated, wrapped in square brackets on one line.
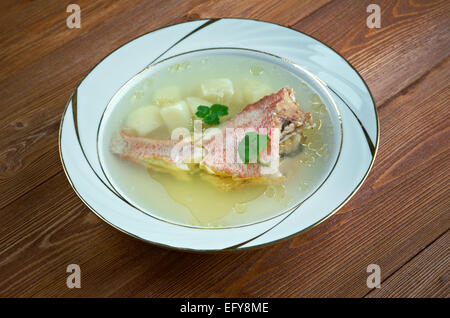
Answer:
[(399, 219)]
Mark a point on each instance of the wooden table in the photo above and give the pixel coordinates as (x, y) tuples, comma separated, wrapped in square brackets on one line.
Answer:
[(399, 219)]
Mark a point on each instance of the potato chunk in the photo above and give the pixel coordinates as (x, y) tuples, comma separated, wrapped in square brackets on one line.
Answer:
[(193, 102), (219, 90), (177, 115), (167, 95), (254, 91), (144, 120)]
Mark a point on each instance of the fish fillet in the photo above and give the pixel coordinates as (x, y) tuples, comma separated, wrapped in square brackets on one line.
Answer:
[(276, 112)]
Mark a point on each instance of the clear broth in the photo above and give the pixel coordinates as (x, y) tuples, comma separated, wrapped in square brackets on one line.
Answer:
[(196, 202)]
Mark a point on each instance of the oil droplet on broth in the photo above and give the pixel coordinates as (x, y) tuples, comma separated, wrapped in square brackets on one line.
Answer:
[(148, 83), (256, 70), (319, 109), (180, 66), (270, 192), (136, 96), (303, 186), (240, 207), (276, 191), (315, 99), (207, 204), (280, 191)]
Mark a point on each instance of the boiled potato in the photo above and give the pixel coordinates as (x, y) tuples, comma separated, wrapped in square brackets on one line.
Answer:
[(177, 115), (167, 95), (219, 90), (254, 91), (144, 120), (193, 102)]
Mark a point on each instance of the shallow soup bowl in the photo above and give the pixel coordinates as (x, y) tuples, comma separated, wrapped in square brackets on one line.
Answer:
[(125, 196), (130, 182)]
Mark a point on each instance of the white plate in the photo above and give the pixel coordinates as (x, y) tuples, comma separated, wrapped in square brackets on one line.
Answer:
[(334, 78)]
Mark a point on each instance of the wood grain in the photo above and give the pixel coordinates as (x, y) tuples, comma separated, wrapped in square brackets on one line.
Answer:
[(397, 219), (413, 38), (426, 275), (318, 256), (32, 114), (282, 12)]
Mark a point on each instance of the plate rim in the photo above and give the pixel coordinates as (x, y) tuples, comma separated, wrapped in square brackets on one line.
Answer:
[(284, 212), (237, 247)]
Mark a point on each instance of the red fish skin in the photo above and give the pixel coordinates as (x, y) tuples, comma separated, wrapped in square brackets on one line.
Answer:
[(265, 116), (147, 151), (262, 117)]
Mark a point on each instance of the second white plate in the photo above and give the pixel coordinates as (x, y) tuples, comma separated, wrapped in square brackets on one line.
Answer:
[(84, 111)]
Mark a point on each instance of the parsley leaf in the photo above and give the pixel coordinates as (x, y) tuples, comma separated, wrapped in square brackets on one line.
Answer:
[(251, 145), (202, 111), (210, 115), (220, 110)]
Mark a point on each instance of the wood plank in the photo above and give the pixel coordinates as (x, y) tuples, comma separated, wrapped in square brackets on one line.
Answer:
[(281, 12), (413, 38), (43, 28), (400, 210), (31, 112), (426, 275)]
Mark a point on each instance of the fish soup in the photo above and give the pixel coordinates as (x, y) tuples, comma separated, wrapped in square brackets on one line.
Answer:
[(168, 95)]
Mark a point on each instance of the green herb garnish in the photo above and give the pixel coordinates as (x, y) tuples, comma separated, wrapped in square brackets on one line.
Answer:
[(210, 115), (251, 145)]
